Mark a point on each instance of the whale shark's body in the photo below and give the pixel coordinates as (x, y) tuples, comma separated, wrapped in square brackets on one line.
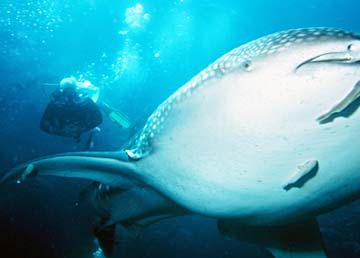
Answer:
[(264, 138)]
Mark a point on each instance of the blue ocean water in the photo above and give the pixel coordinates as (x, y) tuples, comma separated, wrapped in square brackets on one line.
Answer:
[(138, 53)]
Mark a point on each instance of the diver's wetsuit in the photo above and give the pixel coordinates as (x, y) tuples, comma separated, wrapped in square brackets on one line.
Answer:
[(67, 114)]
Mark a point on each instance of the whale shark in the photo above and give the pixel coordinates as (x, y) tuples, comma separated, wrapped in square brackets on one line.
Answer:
[(263, 140)]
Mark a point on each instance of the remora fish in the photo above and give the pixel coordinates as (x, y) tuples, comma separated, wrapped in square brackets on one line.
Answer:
[(264, 139)]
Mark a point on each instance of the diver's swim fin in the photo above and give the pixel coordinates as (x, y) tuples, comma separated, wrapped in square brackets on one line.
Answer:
[(116, 116)]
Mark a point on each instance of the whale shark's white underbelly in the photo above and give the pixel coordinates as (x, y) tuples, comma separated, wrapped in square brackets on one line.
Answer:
[(229, 149)]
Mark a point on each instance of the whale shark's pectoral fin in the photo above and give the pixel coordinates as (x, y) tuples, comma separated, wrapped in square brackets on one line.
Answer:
[(302, 174), (108, 168), (346, 107), (301, 240)]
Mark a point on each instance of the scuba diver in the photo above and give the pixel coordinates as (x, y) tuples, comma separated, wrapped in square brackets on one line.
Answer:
[(74, 108)]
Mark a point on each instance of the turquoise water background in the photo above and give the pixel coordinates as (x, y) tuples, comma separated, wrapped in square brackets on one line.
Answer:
[(138, 53)]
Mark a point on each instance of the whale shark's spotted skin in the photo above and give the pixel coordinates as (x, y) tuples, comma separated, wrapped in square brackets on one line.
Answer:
[(239, 59)]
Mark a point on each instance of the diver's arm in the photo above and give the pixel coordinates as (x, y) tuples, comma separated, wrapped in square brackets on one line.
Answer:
[(115, 116)]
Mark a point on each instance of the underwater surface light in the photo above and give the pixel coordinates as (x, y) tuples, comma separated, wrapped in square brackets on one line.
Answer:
[(135, 16)]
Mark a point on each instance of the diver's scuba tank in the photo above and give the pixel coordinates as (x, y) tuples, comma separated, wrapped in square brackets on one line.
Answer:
[(74, 108), (87, 89)]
